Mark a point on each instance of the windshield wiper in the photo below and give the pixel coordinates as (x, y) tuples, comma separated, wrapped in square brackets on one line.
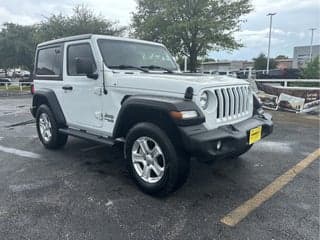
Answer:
[(153, 67), (121, 67)]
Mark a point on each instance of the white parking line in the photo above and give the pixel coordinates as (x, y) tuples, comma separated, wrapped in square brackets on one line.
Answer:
[(20, 153), (234, 217)]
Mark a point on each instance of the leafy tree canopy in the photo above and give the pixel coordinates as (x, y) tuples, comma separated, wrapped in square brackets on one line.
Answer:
[(18, 43), (312, 71), (16, 46), (260, 63), (190, 27), (282, 57), (82, 21)]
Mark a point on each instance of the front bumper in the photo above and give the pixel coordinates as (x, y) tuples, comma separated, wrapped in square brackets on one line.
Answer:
[(198, 141)]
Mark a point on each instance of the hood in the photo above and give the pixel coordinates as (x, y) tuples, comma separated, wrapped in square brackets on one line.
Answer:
[(175, 83)]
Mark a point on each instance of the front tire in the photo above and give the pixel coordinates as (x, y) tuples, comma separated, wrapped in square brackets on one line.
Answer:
[(48, 130), (154, 162)]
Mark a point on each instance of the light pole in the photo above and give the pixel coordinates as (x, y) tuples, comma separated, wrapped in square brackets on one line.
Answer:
[(311, 42), (185, 63), (268, 60)]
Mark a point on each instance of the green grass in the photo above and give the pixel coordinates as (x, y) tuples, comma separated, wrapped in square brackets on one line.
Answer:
[(303, 84), (14, 88)]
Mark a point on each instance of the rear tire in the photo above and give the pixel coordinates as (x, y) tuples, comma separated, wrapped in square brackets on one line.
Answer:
[(155, 164), (48, 130)]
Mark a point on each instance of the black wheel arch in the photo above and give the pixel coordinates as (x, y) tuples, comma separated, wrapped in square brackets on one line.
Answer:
[(156, 110), (48, 97)]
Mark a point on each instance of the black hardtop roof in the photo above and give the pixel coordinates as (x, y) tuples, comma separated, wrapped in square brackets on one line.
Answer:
[(66, 39)]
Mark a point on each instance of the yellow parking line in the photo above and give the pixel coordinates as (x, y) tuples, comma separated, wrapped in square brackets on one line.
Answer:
[(234, 217)]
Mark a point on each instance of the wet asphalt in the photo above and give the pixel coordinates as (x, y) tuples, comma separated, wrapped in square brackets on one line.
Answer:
[(84, 191)]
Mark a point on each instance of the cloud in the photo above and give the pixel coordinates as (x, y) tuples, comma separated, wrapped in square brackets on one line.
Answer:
[(7, 16), (255, 38), (290, 25), (115, 10), (33, 11), (290, 28), (265, 6)]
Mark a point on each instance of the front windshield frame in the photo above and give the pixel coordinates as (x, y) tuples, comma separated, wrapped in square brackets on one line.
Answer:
[(174, 66)]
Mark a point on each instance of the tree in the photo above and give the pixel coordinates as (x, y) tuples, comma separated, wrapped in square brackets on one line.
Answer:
[(260, 63), (312, 71), (82, 21), (18, 43), (16, 46), (190, 27), (281, 57)]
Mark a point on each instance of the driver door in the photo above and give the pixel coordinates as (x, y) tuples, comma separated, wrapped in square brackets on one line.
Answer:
[(82, 96)]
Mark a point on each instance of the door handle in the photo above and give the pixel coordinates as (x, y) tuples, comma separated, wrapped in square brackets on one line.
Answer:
[(67, 87)]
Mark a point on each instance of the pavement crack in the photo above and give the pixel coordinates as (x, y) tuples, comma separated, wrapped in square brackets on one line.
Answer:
[(21, 123)]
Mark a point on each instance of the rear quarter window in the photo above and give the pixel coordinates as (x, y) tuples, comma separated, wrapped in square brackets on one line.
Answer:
[(49, 63)]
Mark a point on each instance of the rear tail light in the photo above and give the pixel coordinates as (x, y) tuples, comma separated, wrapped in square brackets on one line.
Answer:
[(32, 89)]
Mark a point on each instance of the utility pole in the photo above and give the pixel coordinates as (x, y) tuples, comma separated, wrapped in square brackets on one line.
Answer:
[(268, 60), (311, 43)]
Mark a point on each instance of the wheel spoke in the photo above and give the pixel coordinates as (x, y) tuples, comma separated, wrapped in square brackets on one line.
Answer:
[(41, 128), (157, 169), (146, 172), (138, 158), (156, 151), (144, 146), (48, 133)]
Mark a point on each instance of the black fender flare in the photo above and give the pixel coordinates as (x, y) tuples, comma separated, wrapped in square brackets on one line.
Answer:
[(155, 109), (48, 97)]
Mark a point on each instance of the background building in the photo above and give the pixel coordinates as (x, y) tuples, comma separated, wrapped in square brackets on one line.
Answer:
[(285, 63), (301, 55)]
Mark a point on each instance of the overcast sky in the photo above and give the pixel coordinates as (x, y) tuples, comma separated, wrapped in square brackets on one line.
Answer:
[(290, 26)]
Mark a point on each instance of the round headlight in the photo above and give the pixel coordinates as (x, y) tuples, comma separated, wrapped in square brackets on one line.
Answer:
[(204, 100)]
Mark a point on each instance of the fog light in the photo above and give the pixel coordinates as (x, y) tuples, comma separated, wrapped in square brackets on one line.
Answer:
[(219, 145)]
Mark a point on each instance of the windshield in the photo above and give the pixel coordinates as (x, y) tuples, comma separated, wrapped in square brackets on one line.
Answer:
[(117, 53)]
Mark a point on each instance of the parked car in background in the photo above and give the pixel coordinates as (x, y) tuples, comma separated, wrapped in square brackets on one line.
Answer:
[(4, 81), (2, 73), (280, 74), (26, 80), (243, 74), (16, 73)]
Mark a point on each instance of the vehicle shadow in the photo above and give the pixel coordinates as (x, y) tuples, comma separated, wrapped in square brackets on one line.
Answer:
[(108, 162)]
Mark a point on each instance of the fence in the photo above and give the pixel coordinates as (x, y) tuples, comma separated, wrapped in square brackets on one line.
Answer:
[(14, 88), (284, 83)]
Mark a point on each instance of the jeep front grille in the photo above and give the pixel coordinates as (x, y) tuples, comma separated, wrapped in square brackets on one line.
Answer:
[(232, 102)]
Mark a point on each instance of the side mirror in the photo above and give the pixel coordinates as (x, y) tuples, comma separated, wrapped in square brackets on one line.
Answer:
[(87, 67)]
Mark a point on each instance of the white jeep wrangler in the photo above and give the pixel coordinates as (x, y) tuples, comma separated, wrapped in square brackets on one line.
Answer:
[(117, 90)]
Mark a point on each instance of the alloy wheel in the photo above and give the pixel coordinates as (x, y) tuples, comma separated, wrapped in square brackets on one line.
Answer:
[(148, 159)]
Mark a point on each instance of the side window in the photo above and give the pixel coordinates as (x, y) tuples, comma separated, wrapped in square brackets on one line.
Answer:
[(49, 62), (78, 51)]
